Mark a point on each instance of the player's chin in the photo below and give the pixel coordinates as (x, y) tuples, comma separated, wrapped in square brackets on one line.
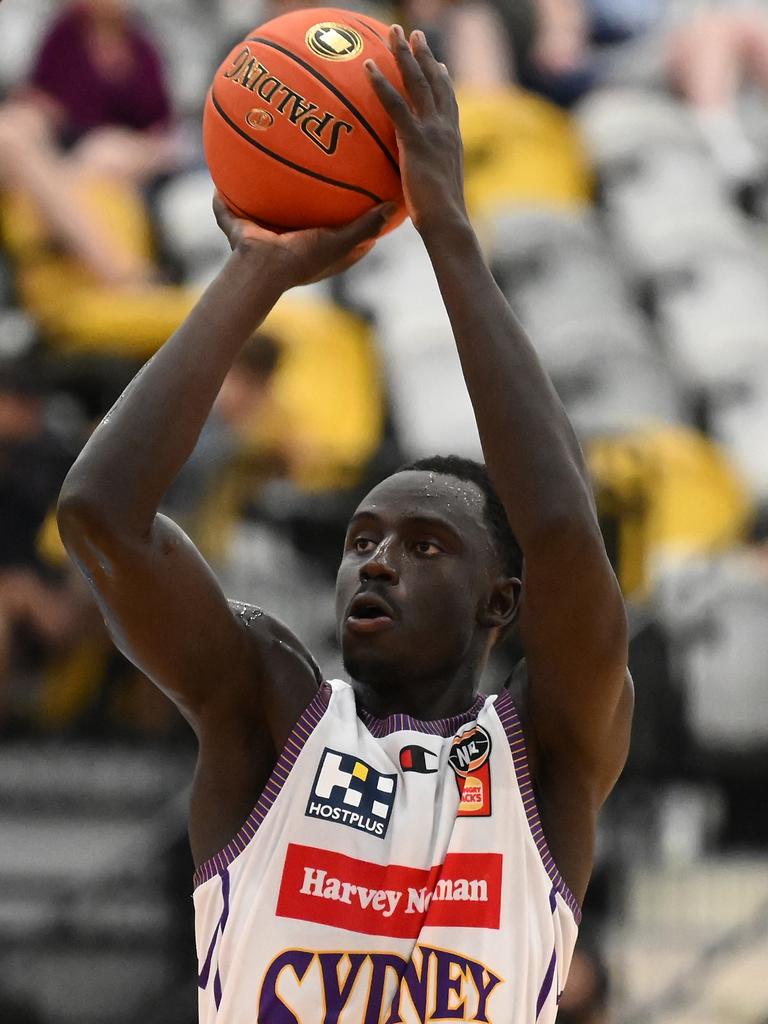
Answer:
[(370, 658)]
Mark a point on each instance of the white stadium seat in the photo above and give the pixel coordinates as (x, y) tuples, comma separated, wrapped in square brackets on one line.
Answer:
[(617, 123), (714, 318), (666, 206), (618, 393)]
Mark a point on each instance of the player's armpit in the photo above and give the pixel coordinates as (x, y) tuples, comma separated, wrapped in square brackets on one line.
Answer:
[(285, 675)]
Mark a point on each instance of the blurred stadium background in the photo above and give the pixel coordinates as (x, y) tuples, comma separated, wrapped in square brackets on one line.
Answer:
[(617, 171)]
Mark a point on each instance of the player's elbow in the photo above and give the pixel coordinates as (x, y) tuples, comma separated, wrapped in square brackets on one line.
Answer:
[(81, 521)]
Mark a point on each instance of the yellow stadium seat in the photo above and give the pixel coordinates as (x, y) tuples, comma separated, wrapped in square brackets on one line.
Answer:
[(520, 150), (75, 313), (329, 392), (672, 493)]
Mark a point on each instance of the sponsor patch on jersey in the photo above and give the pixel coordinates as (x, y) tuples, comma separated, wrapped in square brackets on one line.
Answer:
[(349, 791), (470, 759), (390, 899), (419, 759)]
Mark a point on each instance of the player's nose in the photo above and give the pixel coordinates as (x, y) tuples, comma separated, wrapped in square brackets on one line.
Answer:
[(381, 565)]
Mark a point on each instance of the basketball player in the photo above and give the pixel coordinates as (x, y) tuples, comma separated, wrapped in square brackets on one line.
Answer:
[(400, 849)]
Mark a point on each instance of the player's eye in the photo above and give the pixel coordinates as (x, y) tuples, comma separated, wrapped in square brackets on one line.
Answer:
[(427, 547), (363, 545)]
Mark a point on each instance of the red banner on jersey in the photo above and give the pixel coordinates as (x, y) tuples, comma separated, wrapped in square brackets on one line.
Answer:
[(377, 899)]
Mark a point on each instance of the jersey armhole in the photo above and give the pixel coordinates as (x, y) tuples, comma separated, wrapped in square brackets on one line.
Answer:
[(307, 723), (510, 722)]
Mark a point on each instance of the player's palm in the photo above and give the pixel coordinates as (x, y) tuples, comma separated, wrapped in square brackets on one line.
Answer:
[(307, 255)]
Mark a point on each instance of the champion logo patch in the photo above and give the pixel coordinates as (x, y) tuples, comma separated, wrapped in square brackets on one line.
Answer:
[(419, 759), (350, 792)]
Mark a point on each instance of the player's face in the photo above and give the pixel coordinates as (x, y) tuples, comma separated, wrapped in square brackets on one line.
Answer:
[(417, 567)]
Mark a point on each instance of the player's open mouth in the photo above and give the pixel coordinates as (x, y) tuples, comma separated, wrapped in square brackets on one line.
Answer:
[(368, 613)]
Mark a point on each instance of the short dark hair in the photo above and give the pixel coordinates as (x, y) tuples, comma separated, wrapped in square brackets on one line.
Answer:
[(496, 520)]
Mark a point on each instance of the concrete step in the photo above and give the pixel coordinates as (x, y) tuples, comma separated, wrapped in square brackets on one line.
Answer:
[(72, 850), (108, 986), (126, 918), (63, 775)]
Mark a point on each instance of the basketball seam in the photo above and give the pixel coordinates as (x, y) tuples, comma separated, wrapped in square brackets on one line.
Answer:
[(239, 210), (289, 163), (370, 29), (339, 95)]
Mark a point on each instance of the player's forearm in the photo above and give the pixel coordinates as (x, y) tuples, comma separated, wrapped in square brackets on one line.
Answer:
[(136, 452), (528, 442)]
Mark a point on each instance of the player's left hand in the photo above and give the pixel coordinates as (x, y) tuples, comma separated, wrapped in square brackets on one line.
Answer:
[(427, 129), (312, 254)]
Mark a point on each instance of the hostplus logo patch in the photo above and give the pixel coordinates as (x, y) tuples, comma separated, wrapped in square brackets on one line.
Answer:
[(348, 791)]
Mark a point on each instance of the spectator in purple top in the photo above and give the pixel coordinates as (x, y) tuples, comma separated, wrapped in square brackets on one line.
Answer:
[(96, 105)]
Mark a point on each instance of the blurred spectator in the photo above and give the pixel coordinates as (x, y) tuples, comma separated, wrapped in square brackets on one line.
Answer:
[(80, 143), (541, 44), (559, 62), (95, 107), (225, 471), (38, 607), (271, 426), (710, 58)]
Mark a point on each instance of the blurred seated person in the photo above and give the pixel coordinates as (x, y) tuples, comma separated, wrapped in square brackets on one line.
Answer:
[(78, 143), (520, 149), (542, 45), (545, 46), (38, 607), (270, 424), (227, 467), (709, 58), (95, 107)]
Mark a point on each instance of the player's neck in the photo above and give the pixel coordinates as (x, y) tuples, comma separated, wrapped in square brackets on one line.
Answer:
[(424, 699)]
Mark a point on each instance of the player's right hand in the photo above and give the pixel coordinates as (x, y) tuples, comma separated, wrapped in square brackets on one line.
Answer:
[(426, 122), (308, 255)]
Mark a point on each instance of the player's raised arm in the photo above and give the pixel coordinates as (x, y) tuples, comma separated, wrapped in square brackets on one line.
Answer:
[(573, 618), (161, 601)]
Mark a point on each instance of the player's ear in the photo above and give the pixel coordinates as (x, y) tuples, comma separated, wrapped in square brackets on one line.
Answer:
[(503, 603)]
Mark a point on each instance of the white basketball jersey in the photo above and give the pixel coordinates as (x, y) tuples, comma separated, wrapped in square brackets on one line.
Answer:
[(394, 871)]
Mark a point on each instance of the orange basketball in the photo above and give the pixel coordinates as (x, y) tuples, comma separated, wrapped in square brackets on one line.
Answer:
[(293, 132)]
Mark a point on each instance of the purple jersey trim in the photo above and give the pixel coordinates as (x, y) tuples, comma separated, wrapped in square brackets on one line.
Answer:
[(300, 733), (510, 720), (445, 727), (546, 985), (202, 981)]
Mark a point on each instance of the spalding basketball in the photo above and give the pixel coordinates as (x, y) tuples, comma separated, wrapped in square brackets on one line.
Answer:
[(293, 132)]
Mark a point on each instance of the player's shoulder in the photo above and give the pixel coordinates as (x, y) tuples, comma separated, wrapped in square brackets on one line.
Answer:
[(266, 631)]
